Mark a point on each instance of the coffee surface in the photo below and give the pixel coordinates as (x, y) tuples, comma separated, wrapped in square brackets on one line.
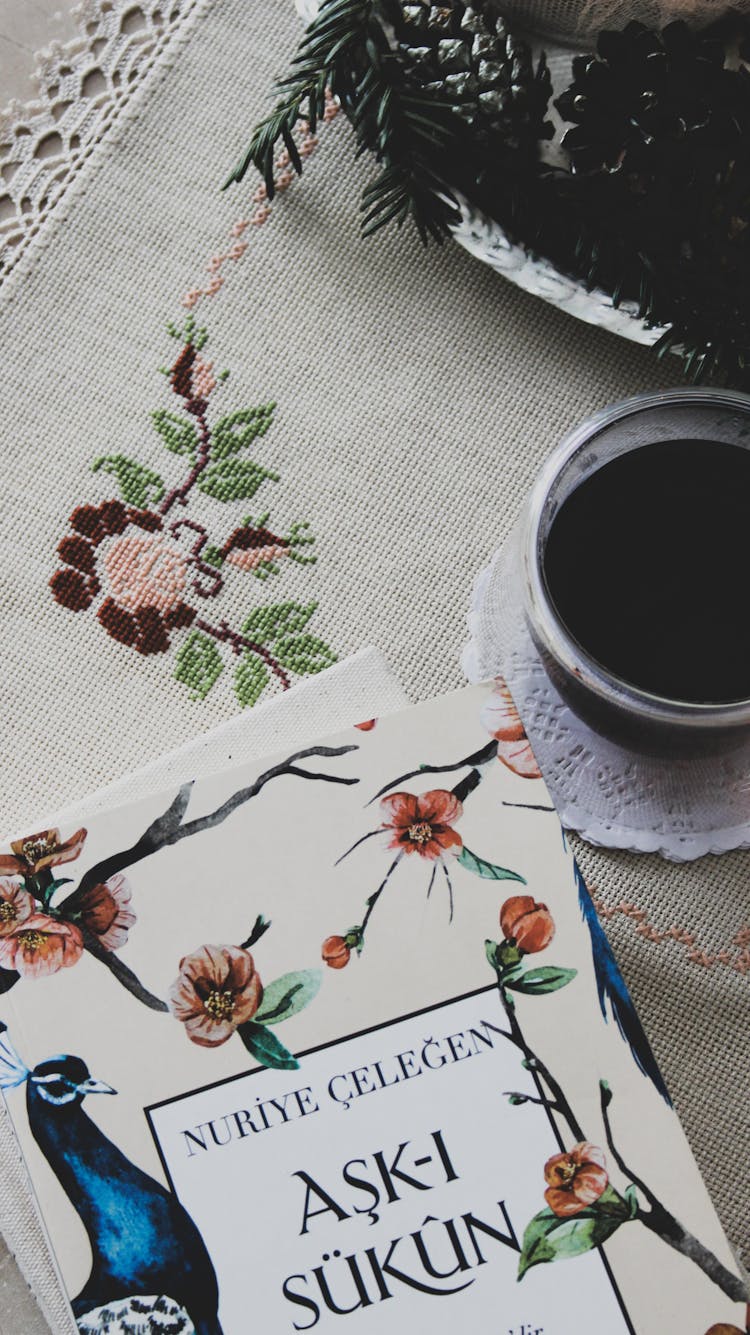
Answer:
[(647, 564)]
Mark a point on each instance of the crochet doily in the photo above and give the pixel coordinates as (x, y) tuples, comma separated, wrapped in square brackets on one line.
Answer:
[(681, 807), (83, 85)]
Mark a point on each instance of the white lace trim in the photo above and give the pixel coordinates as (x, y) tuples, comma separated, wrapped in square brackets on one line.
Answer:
[(83, 86)]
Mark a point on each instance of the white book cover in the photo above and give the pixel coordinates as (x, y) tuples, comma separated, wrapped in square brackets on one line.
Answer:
[(335, 1042)]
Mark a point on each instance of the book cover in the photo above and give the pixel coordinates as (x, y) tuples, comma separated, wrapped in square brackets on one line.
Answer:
[(335, 1042)]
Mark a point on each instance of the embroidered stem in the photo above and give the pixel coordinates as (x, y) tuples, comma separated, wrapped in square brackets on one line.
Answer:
[(241, 643), (198, 408), (662, 1222)]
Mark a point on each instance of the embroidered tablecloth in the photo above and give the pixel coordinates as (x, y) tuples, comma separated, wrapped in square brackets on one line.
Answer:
[(177, 542)]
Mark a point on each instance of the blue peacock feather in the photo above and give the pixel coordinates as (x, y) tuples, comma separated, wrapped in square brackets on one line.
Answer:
[(614, 997)]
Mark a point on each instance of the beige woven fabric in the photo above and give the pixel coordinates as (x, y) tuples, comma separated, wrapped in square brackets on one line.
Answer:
[(416, 397)]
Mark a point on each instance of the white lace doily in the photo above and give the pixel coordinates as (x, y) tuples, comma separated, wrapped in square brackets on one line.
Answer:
[(82, 85), (681, 807)]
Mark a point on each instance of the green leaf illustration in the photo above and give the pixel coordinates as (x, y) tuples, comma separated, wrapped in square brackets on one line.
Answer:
[(535, 982), (240, 429), (288, 994), (550, 1238), (139, 486), (234, 479), (250, 680), (488, 870), (178, 435), (490, 950), (631, 1197), (199, 664), (265, 623), (305, 654), (262, 1044)]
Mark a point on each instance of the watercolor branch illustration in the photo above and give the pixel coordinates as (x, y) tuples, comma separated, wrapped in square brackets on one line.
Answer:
[(45, 928), (583, 1207)]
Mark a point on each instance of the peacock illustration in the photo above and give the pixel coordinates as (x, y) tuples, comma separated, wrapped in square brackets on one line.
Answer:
[(150, 1270)]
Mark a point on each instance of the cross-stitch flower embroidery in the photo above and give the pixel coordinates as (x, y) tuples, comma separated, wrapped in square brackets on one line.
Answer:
[(158, 575)]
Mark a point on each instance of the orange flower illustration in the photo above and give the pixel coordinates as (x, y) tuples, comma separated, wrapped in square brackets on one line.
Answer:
[(16, 904), (335, 952), (575, 1179), (423, 824), (39, 851), (528, 924), (721, 1328), (502, 721), (41, 946), (218, 989), (105, 911)]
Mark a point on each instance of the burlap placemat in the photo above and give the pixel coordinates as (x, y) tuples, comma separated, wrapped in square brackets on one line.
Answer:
[(415, 398)]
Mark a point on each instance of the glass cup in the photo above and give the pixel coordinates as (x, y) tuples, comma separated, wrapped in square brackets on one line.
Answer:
[(626, 767)]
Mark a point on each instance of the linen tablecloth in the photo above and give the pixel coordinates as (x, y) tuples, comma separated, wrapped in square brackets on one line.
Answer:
[(395, 405)]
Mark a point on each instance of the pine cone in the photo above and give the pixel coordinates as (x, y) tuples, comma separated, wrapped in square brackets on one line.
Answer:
[(464, 57), (653, 104)]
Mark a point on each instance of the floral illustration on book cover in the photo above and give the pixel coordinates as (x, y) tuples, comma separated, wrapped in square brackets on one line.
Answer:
[(380, 960)]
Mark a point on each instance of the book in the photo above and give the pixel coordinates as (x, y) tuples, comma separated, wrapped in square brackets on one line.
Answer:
[(336, 1042)]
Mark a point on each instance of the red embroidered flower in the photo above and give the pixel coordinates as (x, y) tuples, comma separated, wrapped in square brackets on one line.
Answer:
[(575, 1179), (36, 852), (423, 824), (143, 572), (502, 720), (41, 946), (104, 910), (529, 925), (217, 990), (335, 953), (16, 904)]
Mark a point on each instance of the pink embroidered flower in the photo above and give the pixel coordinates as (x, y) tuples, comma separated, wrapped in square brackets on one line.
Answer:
[(104, 910), (218, 989), (41, 946), (248, 547), (203, 378), (36, 852), (145, 622), (502, 720), (16, 904), (575, 1179), (423, 824), (145, 570)]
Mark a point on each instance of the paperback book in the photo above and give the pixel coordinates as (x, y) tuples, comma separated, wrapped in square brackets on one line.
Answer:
[(336, 1042)]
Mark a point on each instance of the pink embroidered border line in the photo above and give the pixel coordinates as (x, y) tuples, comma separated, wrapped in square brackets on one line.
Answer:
[(284, 176), (736, 956)]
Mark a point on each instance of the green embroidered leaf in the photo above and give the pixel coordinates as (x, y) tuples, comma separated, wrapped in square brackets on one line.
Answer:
[(262, 1044), (250, 680), (265, 623), (240, 429), (234, 479), (288, 995), (178, 435), (549, 1238), (199, 664), (488, 870), (213, 555), (536, 982), (139, 486), (304, 653)]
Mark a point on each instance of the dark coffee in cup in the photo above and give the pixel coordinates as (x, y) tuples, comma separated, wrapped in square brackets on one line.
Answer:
[(646, 562)]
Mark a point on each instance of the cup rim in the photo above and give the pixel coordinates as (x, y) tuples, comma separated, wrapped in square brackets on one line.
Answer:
[(546, 622)]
